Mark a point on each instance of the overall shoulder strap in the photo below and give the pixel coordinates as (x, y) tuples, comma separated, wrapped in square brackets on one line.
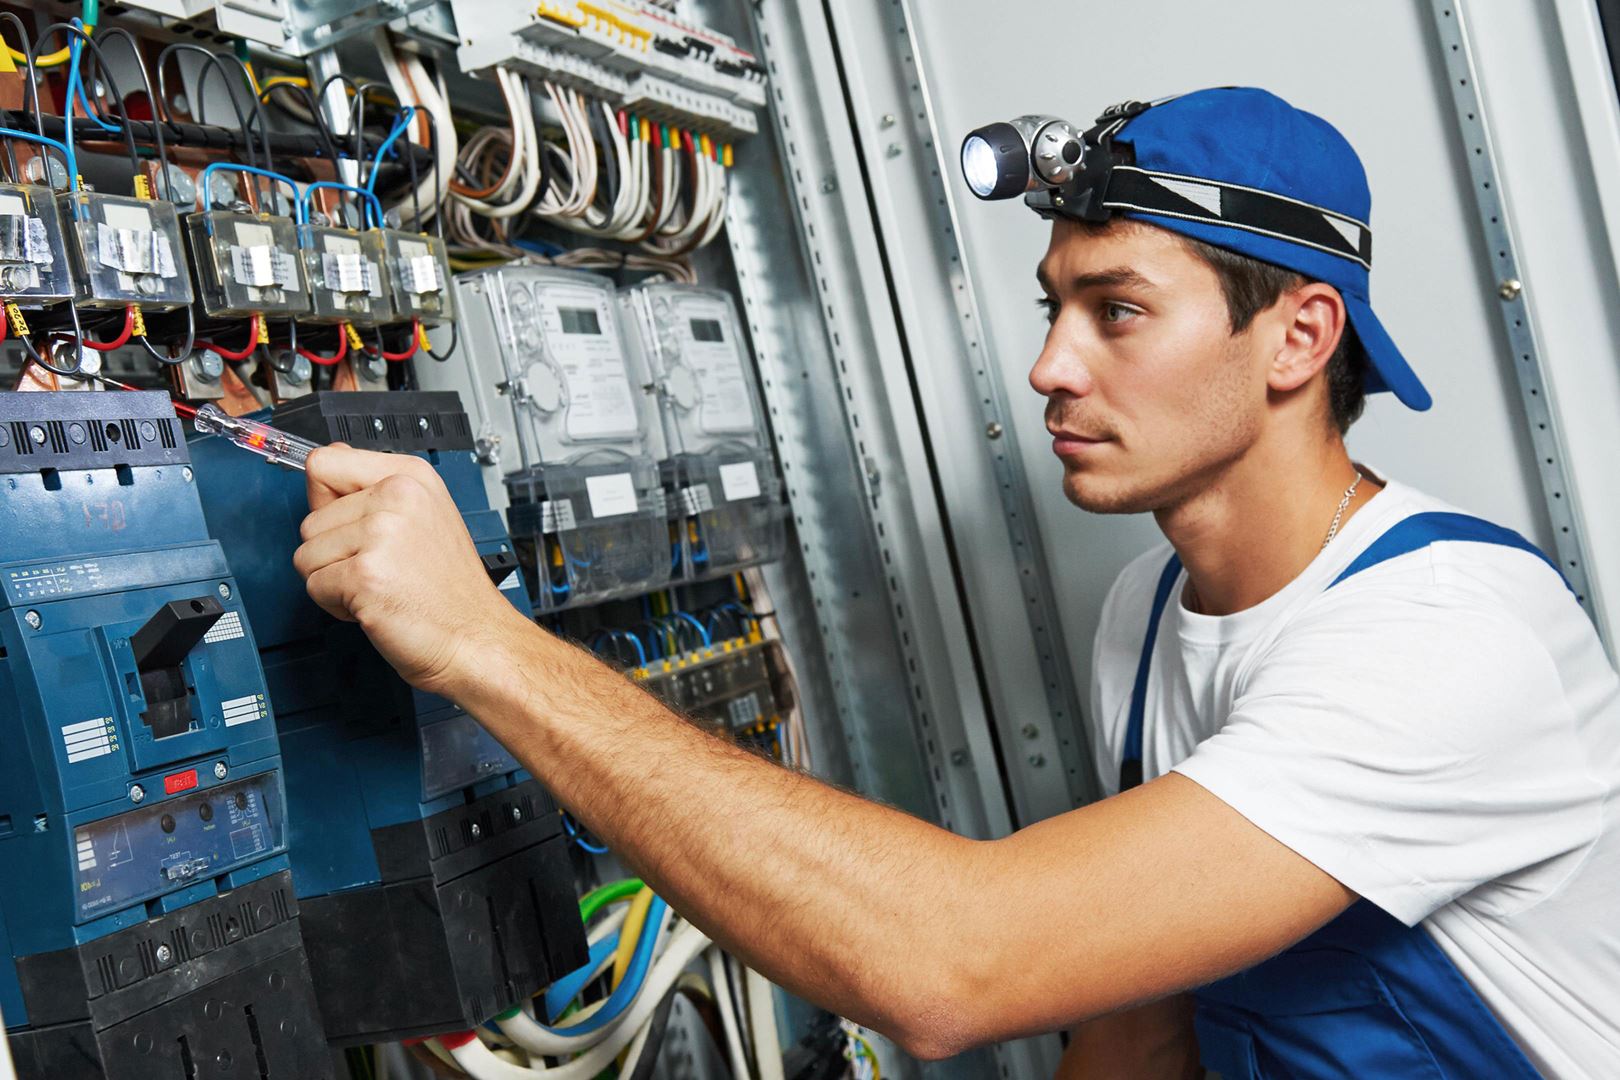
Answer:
[(1130, 766), (1421, 530)]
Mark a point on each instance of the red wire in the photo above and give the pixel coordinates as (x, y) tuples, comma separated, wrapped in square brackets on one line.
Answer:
[(183, 409), (416, 334), (118, 342), (253, 343), (5, 325), (335, 358)]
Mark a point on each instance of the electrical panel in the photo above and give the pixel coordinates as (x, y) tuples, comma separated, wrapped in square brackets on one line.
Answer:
[(144, 880), (398, 801), (586, 508), (718, 466)]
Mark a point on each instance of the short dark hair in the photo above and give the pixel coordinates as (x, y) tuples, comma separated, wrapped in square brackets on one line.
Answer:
[(1252, 286)]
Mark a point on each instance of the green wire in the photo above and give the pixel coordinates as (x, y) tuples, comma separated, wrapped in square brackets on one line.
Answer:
[(600, 897)]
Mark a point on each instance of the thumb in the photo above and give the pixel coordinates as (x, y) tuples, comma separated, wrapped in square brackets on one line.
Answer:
[(338, 470)]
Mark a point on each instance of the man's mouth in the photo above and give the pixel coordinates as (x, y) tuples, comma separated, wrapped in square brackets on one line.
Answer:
[(1070, 443)]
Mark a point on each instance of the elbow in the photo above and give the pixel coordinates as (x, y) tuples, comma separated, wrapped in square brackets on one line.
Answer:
[(941, 1014)]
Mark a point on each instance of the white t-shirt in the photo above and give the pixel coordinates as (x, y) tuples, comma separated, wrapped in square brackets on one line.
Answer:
[(1440, 733)]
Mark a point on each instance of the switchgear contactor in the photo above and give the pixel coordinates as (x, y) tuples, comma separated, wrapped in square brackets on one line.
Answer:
[(145, 891)]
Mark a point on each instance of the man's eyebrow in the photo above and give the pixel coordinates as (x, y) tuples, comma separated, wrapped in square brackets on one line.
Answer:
[(1113, 276)]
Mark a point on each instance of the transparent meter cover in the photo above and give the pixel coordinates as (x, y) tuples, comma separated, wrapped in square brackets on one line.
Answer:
[(247, 264), (345, 276), (34, 267), (127, 250)]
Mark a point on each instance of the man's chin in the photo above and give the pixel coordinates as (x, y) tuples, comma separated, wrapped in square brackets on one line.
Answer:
[(1098, 496)]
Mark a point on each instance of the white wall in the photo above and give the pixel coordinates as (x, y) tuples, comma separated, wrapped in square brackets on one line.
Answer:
[(1372, 69)]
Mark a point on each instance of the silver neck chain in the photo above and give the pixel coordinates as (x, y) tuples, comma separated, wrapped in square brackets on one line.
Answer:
[(1344, 503)]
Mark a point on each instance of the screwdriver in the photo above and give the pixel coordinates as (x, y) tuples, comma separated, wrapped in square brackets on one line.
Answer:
[(271, 443)]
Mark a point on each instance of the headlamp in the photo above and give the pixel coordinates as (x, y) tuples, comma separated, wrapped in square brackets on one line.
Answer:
[(1064, 172)]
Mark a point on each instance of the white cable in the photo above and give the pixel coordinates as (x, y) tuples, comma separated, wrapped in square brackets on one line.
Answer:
[(728, 1015), (686, 943), (609, 924), (408, 92), (762, 1021)]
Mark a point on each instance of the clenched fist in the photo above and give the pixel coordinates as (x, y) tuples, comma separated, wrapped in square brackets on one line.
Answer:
[(385, 546)]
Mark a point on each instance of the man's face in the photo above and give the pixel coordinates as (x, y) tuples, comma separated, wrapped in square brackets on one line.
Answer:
[(1149, 394)]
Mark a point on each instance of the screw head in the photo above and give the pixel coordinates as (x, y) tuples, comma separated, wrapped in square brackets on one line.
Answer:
[(827, 186), (164, 954), (476, 830), (32, 619), (1510, 288), (894, 150), (517, 815), (186, 473), (377, 424), (224, 591), (959, 757), (221, 770), (37, 433), (421, 423), (993, 430), (1037, 760), (137, 793), (1030, 731), (887, 120)]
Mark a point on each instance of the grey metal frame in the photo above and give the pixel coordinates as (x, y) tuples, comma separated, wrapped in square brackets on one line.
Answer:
[(1496, 224)]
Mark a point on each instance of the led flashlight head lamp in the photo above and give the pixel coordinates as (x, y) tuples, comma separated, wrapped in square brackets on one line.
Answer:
[(1009, 158)]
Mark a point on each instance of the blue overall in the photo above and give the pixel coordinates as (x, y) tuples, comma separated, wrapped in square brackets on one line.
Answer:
[(1365, 996)]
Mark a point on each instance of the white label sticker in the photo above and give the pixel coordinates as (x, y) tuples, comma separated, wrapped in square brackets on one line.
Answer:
[(228, 628), (711, 348), (420, 273), (243, 710), (745, 710), (583, 341), (89, 739), (349, 272), (514, 580), (557, 515), (739, 480), (611, 495), (696, 499), (134, 251)]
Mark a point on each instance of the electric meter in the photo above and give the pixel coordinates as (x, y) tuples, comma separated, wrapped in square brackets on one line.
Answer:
[(418, 272), (719, 470), (345, 276), (247, 264), (33, 256), (570, 444), (126, 251)]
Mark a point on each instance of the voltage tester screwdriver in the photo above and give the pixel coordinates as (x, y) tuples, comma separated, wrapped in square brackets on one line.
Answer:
[(271, 443)]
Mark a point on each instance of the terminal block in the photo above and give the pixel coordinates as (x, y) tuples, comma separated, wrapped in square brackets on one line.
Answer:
[(145, 888), (33, 254), (417, 268), (423, 856), (126, 251), (719, 470), (247, 264), (345, 273)]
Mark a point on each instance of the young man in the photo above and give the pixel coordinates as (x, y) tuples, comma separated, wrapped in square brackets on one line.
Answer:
[(1380, 740)]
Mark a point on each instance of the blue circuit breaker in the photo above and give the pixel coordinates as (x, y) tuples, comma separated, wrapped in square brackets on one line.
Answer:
[(146, 905), (432, 871)]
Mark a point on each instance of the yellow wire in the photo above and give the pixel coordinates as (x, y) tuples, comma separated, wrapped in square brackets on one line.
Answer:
[(630, 933), (55, 59), (283, 80), (871, 1055)]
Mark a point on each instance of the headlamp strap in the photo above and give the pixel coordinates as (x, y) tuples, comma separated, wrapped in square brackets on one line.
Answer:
[(1193, 198)]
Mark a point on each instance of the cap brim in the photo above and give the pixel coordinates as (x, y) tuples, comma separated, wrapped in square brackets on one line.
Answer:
[(1388, 369)]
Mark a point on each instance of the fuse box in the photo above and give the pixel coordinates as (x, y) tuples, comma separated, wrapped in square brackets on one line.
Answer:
[(571, 442), (417, 268), (740, 687), (345, 276), (247, 264), (719, 469), (144, 880), (126, 251), (399, 801), (34, 268)]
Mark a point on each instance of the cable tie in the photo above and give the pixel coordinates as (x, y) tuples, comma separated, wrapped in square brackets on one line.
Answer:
[(143, 186), (137, 321), (264, 329), (354, 337)]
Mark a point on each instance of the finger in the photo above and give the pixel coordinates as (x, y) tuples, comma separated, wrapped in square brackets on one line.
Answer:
[(338, 470), (337, 513), (326, 587), (331, 546)]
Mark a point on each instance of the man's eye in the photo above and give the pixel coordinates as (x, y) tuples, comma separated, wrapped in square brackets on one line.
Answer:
[(1049, 308), (1118, 313)]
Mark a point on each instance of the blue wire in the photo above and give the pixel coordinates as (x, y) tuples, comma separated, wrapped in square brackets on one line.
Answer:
[(13, 133), (539, 247), (84, 99), (628, 990), (578, 838), (641, 654), (567, 988), (707, 640), (371, 202), (400, 125), (67, 120)]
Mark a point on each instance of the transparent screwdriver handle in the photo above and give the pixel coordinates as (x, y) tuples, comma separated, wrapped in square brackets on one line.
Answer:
[(272, 444)]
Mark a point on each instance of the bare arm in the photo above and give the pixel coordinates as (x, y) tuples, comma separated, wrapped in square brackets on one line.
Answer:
[(1149, 1042), (939, 941)]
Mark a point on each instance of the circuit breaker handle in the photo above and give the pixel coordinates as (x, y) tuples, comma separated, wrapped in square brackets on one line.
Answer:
[(168, 636)]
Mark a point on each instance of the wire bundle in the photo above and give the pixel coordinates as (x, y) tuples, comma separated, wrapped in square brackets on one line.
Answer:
[(645, 953)]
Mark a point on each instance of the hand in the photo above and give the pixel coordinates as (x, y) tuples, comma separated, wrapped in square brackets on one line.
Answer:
[(386, 547)]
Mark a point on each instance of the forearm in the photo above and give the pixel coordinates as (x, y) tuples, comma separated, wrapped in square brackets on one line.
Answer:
[(841, 900)]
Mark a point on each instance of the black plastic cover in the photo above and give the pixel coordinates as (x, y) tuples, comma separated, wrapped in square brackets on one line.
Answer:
[(88, 429), (409, 421)]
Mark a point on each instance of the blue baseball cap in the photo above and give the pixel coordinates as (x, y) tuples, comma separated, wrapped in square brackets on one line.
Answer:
[(1249, 138)]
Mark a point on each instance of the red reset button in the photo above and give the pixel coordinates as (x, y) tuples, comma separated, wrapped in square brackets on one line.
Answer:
[(175, 783)]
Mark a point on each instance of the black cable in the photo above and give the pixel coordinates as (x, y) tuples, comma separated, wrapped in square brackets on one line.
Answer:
[(106, 72), (656, 1027), (258, 122), (213, 60), (322, 128), (146, 84), (78, 339), (185, 353), (610, 160)]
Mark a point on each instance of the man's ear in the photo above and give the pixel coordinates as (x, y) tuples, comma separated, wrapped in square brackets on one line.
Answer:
[(1310, 336)]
